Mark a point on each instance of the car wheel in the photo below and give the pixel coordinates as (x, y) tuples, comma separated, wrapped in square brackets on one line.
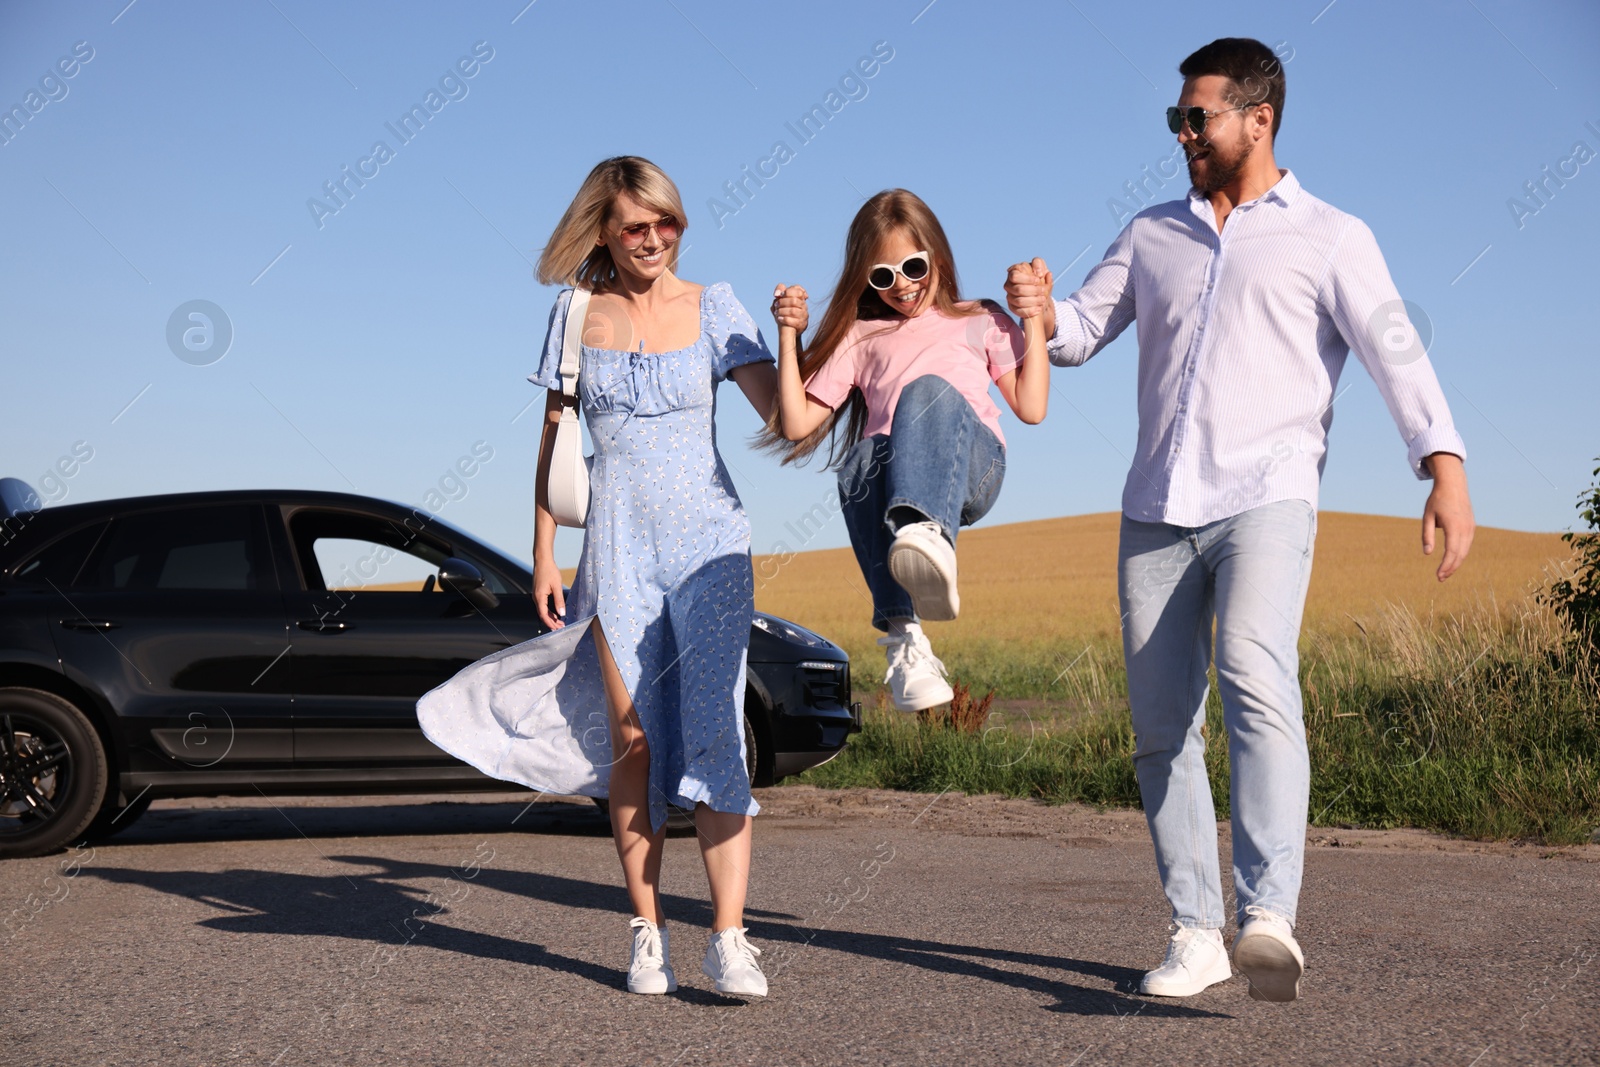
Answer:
[(115, 818), (53, 772), (758, 755)]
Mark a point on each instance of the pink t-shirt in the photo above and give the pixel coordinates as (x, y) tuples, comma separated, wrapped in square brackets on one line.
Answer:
[(883, 356)]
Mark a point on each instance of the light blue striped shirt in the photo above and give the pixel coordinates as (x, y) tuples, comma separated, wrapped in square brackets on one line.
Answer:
[(1242, 337)]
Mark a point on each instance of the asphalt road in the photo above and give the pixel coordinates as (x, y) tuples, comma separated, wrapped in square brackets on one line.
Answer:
[(896, 928)]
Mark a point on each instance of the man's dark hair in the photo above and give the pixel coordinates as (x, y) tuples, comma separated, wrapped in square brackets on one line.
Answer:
[(1255, 75)]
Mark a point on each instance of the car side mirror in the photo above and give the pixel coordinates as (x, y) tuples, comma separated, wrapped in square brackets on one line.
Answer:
[(466, 581)]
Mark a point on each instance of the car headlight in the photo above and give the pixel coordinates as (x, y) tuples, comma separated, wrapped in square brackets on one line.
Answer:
[(788, 631)]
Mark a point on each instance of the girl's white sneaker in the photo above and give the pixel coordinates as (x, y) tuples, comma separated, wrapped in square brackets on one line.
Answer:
[(648, 969), (916, 678), (924, 564), (731, 964)]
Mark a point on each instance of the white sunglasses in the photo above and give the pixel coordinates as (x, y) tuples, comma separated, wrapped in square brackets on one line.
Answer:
[(913, 268)]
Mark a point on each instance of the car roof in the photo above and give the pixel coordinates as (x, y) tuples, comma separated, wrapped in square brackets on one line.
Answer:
[(59, 517)]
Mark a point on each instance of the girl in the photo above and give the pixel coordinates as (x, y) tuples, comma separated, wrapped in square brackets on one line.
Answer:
[(659, 618), (904, 364)]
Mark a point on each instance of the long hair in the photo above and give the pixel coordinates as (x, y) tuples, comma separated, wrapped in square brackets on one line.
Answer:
[(853, 300), (571, 256)]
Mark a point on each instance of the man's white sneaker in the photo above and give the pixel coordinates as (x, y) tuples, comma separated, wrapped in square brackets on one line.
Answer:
[(648, 969), (916, 678), (1195, 960), (1268, 955), (924, 564), (731, 964)]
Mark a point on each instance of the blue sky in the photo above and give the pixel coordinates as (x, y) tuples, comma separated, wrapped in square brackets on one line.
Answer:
[(373, 347)]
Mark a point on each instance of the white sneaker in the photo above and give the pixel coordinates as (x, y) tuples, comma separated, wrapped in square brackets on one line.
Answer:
[(916, 677), (1196, 959), (648, 969), (1267, 953), (731, 964), (924, 564)]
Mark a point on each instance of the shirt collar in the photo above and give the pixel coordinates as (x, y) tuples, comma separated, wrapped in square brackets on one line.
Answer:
[(1284, 192)]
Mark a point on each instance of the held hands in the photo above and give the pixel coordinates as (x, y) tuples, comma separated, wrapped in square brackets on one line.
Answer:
[(547, 588), (789, 309), (1449, 509), (1028, 289)]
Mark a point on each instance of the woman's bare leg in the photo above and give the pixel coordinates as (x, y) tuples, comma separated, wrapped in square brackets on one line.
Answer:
[(638, 849), (725, 847)]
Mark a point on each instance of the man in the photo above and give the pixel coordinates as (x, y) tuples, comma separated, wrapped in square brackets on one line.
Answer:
[(1248, 295)]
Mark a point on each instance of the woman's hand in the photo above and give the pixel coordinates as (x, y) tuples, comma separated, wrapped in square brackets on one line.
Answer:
[(546, 575), (547, 589), (789, 309)]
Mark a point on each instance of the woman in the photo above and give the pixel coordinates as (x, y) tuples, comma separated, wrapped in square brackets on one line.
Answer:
[(658, 624)]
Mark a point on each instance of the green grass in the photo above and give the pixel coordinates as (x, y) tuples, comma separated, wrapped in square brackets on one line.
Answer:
[(1484, 726)]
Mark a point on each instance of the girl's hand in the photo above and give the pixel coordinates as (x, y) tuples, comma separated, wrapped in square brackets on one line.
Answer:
[(547, 588), (789, 308), (798, 414)]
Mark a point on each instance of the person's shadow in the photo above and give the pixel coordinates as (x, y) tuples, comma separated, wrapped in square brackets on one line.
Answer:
[(369, 903)]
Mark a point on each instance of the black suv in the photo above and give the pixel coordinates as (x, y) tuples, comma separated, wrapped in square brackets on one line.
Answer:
[(276, 642)]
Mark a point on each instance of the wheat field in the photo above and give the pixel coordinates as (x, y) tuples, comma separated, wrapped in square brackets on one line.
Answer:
[(1054, 580)]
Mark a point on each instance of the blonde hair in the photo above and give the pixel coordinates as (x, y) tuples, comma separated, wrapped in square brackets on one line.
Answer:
[(571, 256), (853, 300)]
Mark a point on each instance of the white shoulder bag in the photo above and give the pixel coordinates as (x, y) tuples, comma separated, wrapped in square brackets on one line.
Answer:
[(568, 485)]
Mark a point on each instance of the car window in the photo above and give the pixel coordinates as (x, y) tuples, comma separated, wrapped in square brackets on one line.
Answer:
[(219, 547), (343, 551), (58, 562), (356, 563)]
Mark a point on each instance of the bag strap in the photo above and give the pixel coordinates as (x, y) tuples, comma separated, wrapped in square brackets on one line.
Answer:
[(572, 340)]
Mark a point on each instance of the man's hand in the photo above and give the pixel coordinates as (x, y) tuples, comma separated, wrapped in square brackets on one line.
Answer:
[(1028, 289), (1449, 510)]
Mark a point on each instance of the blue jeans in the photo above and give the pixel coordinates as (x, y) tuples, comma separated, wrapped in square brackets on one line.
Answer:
[(1249, 573), (939, 460)]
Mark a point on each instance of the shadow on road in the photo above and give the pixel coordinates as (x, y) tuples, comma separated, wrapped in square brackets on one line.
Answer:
[(284, 819), (373, 902)]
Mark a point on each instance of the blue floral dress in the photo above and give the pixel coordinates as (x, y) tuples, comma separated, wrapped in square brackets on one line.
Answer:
[(665, 568)]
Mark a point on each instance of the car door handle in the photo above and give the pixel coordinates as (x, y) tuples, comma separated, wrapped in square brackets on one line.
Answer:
[(324, 626), (88, 624)]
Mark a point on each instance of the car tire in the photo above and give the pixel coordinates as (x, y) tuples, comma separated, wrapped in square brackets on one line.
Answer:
[(51, 758), (758, 755), (115, 818)]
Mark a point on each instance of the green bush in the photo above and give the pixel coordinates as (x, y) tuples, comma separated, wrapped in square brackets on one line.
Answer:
[(1576, 598)]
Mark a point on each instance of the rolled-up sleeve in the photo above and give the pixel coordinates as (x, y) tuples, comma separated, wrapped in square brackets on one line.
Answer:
[(1367, 310), (1100, 310)]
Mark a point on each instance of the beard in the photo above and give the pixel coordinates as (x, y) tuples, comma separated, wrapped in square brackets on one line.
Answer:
[(1217, 170)]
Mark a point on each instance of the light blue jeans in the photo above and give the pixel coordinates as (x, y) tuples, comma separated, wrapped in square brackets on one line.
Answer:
[(1248, 574), (938, 460)]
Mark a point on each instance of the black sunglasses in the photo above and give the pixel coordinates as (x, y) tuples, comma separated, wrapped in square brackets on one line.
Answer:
[(914, 268), (1196, 117)]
